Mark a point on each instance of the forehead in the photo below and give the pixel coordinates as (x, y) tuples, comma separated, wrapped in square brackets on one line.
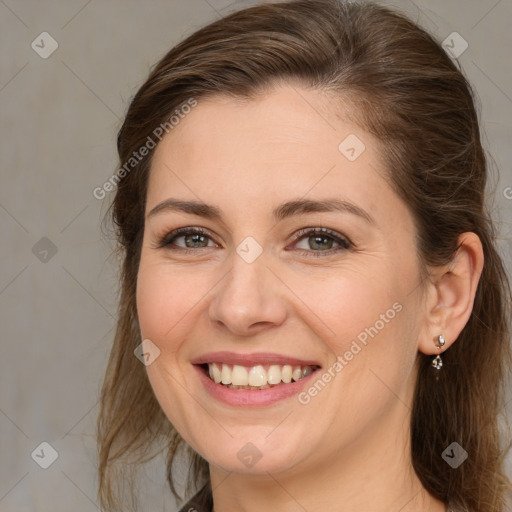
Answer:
[(286, 121), (288, 142)]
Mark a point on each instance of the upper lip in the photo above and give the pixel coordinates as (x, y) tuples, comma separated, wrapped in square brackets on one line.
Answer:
[(252, 359)]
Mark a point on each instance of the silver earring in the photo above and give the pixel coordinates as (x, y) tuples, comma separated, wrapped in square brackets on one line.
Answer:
[(437, 363)]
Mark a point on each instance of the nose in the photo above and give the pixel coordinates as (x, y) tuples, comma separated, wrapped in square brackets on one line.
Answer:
[(249, 299)]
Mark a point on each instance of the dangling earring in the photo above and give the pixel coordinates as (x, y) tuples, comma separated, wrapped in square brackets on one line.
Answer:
[(437, 363)]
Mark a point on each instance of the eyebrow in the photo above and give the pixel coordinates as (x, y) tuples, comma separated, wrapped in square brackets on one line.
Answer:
[(283, 211)]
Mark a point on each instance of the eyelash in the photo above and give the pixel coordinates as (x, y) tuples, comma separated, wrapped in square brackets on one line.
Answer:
[(345, 244)]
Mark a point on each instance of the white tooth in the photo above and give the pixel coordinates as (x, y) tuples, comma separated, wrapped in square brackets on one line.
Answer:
[(297, 373), (226, 374), (257, 376), (239, 376), (215, 373), (210, 371), (274, 374), (286, 373)]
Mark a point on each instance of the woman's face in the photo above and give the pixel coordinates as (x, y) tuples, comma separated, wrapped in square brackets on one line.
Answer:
[(262, 288)]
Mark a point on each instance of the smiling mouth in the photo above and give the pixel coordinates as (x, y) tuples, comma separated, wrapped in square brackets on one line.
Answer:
[(256, 377)]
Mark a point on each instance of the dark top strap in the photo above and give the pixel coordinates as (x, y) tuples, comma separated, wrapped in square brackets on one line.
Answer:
[(200, 502)]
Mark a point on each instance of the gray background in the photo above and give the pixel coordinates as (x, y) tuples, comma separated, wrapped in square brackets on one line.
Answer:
[(60, 119)]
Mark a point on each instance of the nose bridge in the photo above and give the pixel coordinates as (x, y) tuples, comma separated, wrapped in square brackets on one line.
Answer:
[(246, 276), (248, 294)]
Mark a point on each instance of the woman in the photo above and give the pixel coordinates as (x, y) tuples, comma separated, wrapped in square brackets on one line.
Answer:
[(310, 277)]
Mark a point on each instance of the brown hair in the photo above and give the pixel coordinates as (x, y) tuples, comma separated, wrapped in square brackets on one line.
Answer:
[(404, 89)]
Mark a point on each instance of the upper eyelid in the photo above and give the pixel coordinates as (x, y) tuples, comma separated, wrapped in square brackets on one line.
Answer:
[(179, 232)]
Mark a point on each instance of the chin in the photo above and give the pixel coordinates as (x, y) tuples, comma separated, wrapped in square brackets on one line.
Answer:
[(255, 455)]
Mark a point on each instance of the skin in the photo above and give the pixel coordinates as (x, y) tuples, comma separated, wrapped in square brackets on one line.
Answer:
[(353, 436)]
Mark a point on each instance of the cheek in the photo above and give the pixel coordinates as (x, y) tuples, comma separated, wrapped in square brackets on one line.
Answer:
[(152, 304), (352, 304), (165, 302), (164, 316), (367, 320)]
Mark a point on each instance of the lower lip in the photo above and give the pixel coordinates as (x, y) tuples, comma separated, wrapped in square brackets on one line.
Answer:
[(247, 397)]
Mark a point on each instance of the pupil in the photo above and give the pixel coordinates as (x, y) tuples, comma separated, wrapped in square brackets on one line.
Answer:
[(195, 239), (318, 239)]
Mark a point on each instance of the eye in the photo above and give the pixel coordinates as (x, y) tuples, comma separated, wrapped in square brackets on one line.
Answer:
[(193, 238), (320, 242)]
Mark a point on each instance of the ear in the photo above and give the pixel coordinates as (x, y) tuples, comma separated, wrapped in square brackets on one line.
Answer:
[(451, 294)]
